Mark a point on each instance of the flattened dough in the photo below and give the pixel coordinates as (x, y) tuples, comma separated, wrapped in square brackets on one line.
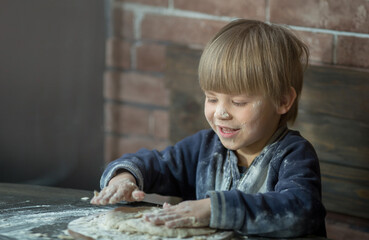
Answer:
[(134, 223)]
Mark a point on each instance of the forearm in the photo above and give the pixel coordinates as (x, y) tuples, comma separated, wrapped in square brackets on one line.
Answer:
[(269, 214)]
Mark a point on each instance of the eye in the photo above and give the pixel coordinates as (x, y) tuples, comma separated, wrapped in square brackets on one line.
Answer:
[(211, 100), (239, 104)]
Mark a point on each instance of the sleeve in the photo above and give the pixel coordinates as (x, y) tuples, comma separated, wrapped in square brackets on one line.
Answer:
[(293, 208), (168, 172)]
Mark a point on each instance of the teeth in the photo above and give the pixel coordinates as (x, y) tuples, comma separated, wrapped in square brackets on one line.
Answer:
[(227, 130)]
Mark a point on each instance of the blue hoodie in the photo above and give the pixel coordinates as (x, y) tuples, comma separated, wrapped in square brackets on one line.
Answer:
[(279, 195)]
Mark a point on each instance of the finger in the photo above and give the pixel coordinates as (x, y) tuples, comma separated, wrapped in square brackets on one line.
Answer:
[(157, 213), (163, 219), (138, 195), (181, 222), (117, 197), (129, 187), (120, 191), (106, 194), (93, 200), (178, 209), (166, 205), (98, 197), (123, 193)]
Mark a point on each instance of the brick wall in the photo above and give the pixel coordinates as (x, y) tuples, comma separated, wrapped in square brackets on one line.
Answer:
[(136, 97)]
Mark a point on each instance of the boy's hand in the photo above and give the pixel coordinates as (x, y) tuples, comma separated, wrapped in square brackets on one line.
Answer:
[(185, 214), (122, 187)]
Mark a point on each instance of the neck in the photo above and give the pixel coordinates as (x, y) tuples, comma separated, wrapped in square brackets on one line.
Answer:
[(245, 159), (247, 155)]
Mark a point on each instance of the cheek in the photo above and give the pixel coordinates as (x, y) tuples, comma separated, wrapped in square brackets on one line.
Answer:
[(252, 116), (209, 113), (263, 115)]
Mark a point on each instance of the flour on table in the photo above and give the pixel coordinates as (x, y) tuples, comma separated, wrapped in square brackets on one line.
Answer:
[(135, 223)]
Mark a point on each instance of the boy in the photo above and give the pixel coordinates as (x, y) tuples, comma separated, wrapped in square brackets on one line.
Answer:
[(250, 173)]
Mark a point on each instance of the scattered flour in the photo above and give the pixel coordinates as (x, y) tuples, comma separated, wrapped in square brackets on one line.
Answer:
[(24, 224)]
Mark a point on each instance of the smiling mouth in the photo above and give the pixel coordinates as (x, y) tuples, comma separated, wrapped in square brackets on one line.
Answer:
[(228, 131)]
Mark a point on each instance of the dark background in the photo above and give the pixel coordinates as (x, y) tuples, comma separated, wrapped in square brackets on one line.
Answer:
[(51, 105)]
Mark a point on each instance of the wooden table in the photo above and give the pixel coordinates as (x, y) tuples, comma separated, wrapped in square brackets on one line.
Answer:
[(38, 212), (30, 212)]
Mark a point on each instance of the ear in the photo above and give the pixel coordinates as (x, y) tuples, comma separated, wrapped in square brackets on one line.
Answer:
[(287, 101)]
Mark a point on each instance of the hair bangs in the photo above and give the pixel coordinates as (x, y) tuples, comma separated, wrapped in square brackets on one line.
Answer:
[(223, 68)]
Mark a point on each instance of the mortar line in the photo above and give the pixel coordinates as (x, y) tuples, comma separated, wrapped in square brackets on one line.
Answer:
[(189, 14), (333, 32)]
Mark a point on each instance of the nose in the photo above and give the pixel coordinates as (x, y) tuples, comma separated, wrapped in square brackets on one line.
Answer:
[(221, 113), (224, 114)]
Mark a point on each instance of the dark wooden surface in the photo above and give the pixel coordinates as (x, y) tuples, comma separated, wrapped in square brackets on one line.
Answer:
[(29, 212), (36, 212)]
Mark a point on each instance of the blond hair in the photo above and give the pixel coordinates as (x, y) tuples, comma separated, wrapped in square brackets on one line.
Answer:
[(252, 57)]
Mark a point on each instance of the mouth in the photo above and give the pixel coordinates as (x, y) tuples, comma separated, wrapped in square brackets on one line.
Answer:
[(227, 132)]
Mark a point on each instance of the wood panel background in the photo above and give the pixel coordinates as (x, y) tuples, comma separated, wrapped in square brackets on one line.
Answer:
[(333, 115)]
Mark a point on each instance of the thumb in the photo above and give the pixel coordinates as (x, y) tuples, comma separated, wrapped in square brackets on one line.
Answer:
[(138, 195), (166, 205)]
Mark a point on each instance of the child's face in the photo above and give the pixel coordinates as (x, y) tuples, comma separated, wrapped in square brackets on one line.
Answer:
[(243, 123)]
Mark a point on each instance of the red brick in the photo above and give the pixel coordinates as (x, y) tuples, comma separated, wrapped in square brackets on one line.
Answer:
[(342, 15), (179, 29), (249, 9), (133, 144), (118, 53), (151, 57), (122, 22), (125, 119), (163, 3), (320, 46), (136, 87), (159, 127), (134, 120), (353, 51), (116, 146)]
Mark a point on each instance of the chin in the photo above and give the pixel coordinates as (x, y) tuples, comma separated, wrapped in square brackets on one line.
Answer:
[(229, 146)]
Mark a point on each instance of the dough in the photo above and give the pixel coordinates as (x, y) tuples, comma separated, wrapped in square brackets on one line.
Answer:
[(134, 223)]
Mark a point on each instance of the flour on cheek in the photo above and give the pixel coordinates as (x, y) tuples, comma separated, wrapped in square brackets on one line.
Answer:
[(250, 127)]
